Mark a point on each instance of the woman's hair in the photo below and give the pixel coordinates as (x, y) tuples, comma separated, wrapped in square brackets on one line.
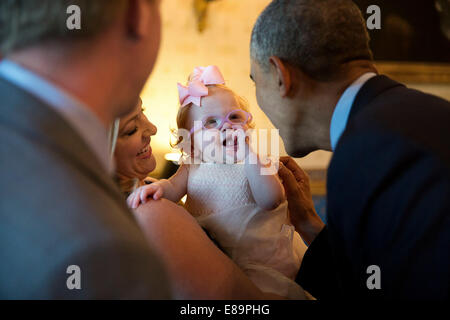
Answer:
[(183, 115)]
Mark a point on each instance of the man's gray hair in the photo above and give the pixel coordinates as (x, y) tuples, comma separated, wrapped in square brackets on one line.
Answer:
[(25, 23), (316, 36)]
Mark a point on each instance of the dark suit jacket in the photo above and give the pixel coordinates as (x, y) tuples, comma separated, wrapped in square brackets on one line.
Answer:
[(388, 200), (60, 208)]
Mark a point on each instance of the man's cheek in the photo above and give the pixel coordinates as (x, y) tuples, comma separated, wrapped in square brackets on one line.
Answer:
[(259, 99), (264, 104)]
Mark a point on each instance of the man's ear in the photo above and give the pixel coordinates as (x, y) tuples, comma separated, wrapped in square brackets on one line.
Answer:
[(137, 18), (283, 74)]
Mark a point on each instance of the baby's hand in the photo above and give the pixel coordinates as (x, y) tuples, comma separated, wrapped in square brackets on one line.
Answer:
[(140, 195)]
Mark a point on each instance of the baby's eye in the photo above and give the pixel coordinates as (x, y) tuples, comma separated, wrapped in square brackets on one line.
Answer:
[(237, 117), (211, 122)]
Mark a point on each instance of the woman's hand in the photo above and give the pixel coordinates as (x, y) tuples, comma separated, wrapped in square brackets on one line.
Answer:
[(140, 195), (301, 206)]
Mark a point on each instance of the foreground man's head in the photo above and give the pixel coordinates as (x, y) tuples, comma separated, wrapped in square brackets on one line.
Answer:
[(114, 50)]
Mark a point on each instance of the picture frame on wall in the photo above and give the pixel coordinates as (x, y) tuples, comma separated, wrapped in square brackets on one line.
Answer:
[(412, 44)]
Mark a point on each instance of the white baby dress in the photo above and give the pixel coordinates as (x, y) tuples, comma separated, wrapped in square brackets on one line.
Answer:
[(262, 243)]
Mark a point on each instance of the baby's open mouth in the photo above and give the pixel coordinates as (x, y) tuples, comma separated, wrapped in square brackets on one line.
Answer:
[(230, 141)]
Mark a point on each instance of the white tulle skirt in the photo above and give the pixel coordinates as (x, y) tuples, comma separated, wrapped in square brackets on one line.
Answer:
[(262, 243)]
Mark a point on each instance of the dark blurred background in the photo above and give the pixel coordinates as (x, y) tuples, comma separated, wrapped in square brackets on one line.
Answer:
[(411, 30)]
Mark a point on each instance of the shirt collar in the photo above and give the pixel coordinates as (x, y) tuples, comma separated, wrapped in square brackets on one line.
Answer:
[(344, 106), (85, 123)]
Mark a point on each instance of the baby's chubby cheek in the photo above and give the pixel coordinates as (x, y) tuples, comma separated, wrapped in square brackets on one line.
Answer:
[(206, 142), (215, 144)]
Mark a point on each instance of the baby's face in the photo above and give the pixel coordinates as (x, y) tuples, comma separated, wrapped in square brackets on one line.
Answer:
[(220, 102)]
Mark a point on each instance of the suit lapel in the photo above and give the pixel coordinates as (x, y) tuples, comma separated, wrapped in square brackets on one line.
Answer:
[(370, 90), (23, 112)]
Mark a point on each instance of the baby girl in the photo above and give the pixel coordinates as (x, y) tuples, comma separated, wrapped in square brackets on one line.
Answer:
[(243, 210)]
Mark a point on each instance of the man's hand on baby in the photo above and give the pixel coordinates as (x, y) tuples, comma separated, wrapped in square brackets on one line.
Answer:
[(301, 206), (141, 195)]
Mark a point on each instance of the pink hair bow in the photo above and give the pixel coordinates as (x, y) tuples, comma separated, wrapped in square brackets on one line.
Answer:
[(197, 86)]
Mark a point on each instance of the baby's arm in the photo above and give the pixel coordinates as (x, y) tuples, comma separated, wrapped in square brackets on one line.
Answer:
[(176, 186), (172, 189), (267, 190)]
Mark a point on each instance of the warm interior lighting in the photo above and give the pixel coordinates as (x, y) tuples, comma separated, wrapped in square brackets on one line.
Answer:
[(174, 157), (225, 43)]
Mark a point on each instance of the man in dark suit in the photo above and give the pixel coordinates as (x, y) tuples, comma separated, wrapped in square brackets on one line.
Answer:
[(65, 229), (388, 230)]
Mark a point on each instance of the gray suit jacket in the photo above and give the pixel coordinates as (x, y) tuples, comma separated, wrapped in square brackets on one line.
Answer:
[(60, 208)]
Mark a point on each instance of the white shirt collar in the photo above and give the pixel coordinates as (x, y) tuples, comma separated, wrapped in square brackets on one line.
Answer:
[(85, 123), (344, 106)]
